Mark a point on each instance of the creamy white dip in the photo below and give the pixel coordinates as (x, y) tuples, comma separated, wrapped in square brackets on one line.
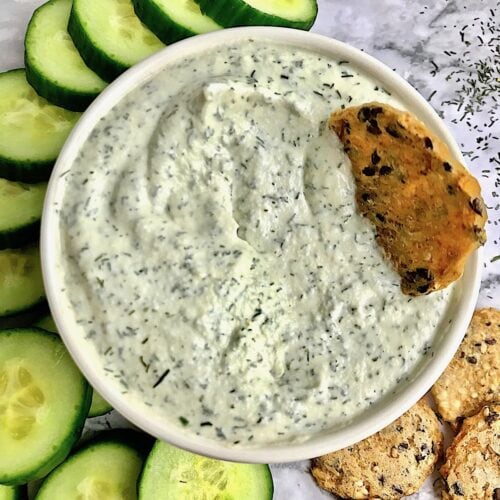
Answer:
[(215, 260)]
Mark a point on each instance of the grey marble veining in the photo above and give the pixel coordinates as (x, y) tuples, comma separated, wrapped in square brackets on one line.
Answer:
[(442, 47)]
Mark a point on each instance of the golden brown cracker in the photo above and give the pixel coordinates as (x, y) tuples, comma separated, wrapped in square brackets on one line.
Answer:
[(390, 464), (472, 467), (426, 207), (472, 378)]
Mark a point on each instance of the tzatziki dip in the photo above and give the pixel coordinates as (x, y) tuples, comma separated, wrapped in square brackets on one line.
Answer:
[(214, 258)]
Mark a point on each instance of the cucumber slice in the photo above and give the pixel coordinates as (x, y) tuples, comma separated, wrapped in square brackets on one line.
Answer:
[(32, 131), (54, 67), (25, 318), (109, 36), (20, 213), (12, 492), (173, 20), (46, 323), (106, 468), (174, 474), (44, 400), (21, 285), (99, 405), (299, 14)]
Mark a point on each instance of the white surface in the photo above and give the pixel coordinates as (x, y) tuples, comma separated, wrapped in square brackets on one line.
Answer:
[(408, 36)]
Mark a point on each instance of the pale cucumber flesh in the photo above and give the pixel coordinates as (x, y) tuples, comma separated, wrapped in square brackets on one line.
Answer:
[(10, 493), (31, 128), (51, 52), (20, 204), (299, 14), (174, 474), (187, 13), (287, 9), (113, 27), (21, 285), (42, 410), (99, 405), (101, 471)]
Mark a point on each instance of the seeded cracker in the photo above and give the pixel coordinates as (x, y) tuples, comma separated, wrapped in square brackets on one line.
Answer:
[(390, 464), (472, 468), (426, 207), (472, 378)]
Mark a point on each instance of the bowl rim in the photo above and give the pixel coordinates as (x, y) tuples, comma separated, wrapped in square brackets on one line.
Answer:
[(371, 421)]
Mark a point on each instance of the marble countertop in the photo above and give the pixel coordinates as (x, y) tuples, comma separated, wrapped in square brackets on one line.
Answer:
[(448, 50)]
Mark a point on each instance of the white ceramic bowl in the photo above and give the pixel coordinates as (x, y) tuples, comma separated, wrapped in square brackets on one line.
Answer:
[(377, 416)]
